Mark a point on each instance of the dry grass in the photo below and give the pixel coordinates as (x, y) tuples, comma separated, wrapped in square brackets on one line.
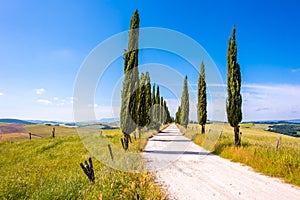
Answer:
[(258, 150)]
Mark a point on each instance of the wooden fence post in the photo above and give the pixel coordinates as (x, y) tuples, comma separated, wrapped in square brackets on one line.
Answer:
[(88, 170), (53, 132), (278, 143), (110, 152), (29, 135)]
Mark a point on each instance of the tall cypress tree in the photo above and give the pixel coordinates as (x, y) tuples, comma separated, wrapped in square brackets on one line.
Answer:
[(202, 101), (128, 112), (157, 107), (234, 98), (178, 115), (162, 111), (185, 104), (148, 101), (142, 107)]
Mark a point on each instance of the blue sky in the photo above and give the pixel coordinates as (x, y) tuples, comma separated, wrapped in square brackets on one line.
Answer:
[(44, 43)]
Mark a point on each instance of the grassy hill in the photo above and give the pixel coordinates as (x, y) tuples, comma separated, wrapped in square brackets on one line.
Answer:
[(48, 168)]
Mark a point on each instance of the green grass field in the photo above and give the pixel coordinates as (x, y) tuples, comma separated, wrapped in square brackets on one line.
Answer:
[(258, 150), (48, 168)]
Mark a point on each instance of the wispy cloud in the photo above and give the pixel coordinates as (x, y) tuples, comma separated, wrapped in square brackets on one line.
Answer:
[(271, 101), (295, 70), (44, 101), (93, 105), (40, 91), (1, 94), (72, 100)]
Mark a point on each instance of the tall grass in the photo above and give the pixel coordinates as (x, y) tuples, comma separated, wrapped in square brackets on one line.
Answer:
[(49, 168)]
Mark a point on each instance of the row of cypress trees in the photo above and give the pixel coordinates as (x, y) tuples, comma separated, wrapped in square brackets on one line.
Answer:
[(182, 114), (140, 107), (234, 98)]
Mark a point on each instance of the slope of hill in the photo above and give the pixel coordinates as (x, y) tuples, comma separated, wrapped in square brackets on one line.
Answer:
[(15, 121)]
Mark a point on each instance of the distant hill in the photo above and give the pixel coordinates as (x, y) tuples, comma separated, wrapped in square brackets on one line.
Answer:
[(109, 120), (294, 121), (15, 121)]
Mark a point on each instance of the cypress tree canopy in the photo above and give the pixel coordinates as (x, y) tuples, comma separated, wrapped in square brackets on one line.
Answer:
[(185, 104)]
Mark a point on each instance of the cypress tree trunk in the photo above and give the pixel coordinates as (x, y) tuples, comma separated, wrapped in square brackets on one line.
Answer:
[(237, 138), (202, 129)]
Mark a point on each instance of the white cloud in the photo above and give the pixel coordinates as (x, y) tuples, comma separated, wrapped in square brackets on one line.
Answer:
[(263, 102), (44, 101), (93, 105), (295, 70), (55, 98), (60, 102), (72, 100), (1, 94), (40, 91)]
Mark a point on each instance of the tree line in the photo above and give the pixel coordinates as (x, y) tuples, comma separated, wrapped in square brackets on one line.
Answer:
[(142, 106)]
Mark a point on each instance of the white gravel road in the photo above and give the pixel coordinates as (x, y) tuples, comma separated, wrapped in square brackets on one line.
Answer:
[(190, 172)]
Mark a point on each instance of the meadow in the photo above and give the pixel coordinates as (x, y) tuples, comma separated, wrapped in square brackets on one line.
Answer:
[(258, 149), (48, 168)]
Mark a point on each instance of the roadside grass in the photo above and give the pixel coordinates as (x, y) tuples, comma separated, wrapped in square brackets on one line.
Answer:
[(49, 168), (258, 150)]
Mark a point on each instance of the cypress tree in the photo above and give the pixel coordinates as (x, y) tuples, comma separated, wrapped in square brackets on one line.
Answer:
[(178, 115), (168, 118), (234, 98), (153, 102), (157, 107), (202, 102), (162, 111), (148, 102), (128, 112), (142, 117), (185, 104)]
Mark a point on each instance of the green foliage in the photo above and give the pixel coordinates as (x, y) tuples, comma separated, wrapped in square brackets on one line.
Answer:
[(167, 112), (148, 101), (130, 92), (184, 114), (178, 115), (202, 100), (161, 111), (234, 98), (157, 107), (142, 108), (286, 129)]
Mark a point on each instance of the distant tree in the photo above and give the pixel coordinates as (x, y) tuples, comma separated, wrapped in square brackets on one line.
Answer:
[(128, 112), (148, 101), (185, 104), (142, 107), (157, 107), (162, 111), (167, 112), (234, 98), (178, 115), (153, 102), (202, 101)]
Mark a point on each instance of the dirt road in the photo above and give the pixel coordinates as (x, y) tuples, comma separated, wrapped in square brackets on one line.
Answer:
[(190, 172)]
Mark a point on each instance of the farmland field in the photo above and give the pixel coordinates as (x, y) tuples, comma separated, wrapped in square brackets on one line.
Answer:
[(48, 168)]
